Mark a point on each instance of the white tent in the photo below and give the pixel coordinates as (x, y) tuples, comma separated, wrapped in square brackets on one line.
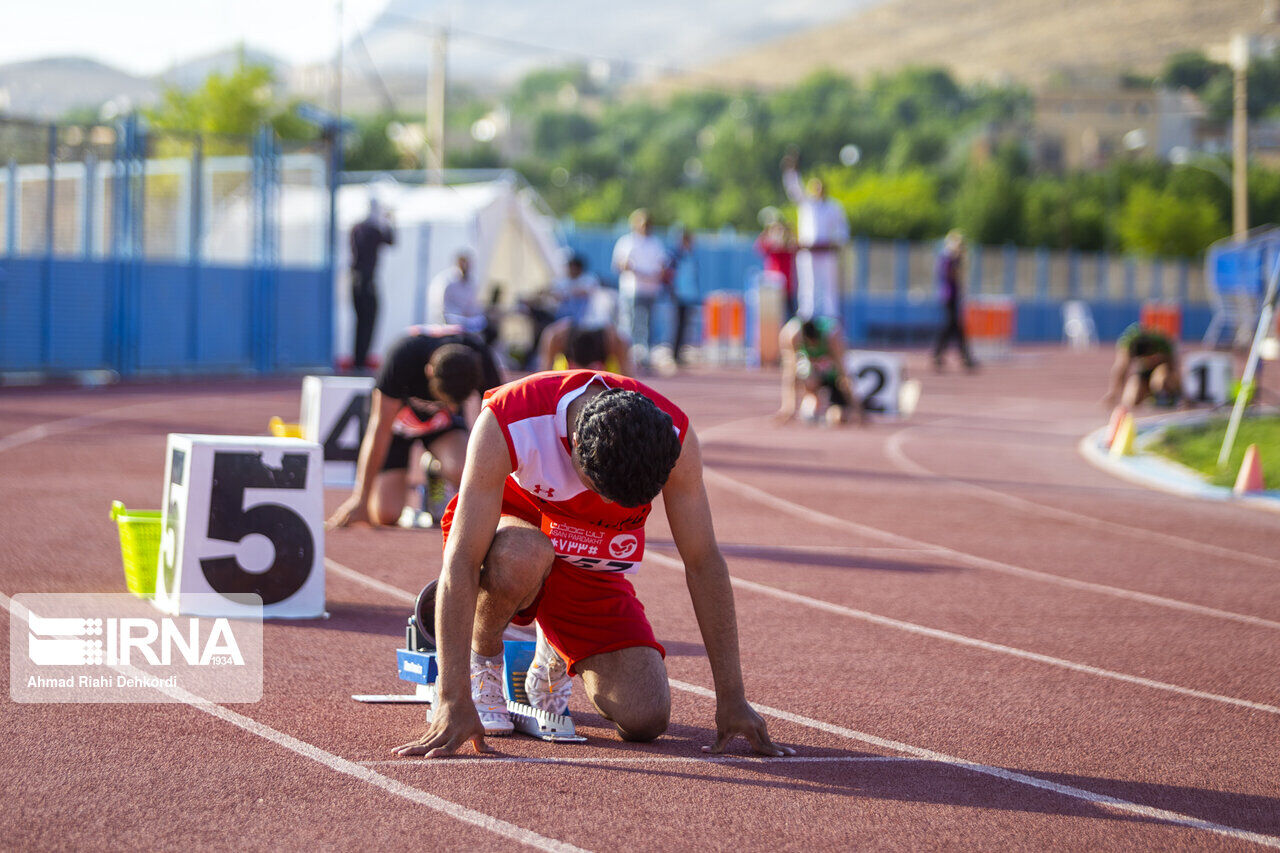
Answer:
[(513, 244)]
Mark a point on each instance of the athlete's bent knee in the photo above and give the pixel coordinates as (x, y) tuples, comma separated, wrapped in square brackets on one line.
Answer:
[(644, 728), (519, 555)]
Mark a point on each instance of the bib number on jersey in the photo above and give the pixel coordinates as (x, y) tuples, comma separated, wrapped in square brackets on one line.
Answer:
[(596, 549)]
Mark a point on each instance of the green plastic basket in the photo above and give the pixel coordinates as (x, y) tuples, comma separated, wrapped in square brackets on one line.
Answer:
[(139, 547)]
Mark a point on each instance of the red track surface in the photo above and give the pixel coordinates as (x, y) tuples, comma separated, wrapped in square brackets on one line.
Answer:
[(959, 589)]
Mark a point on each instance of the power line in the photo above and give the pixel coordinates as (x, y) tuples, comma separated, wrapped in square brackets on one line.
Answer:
[(388, 101)]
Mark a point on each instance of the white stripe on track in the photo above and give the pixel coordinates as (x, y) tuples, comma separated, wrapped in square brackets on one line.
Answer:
[(972, 560), (1124, 806), (974, 642), (349, 768), (373, 583), (893, 449)]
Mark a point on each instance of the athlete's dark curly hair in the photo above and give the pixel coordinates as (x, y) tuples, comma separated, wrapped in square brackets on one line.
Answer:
[(626, 446), (455, 373)]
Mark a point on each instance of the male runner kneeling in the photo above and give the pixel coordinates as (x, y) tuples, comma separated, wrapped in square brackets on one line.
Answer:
[(425, 380), (561, 472), (1146, 365), (566, 343), (813, 360)]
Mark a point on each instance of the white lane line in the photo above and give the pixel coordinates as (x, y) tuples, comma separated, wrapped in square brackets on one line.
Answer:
[(586, 761), (346, 767), (1124, 806), (373, 583), (893, 449), (972, 560), (974, 642)]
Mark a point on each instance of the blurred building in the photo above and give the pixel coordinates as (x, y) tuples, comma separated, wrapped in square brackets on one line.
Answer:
[(1085, 126)]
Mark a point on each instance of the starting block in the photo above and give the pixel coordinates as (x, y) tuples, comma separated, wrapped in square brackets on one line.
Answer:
[(416, 663)]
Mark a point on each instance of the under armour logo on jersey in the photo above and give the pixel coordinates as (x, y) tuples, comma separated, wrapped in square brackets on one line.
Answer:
[(539, 489)]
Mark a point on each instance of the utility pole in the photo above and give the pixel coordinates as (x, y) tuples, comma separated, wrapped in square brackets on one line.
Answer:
[(335, 95), (1240, 136), (435, 106)]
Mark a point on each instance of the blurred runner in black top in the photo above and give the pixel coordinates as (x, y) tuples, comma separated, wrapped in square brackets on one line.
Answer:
[(427, 380), (367, 238)]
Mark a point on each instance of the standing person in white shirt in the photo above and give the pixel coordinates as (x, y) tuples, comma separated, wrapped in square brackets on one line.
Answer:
[(453, 298), (640, 259), (823, 231)]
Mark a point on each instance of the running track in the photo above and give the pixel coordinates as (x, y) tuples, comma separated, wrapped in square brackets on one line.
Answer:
[(971, 637)]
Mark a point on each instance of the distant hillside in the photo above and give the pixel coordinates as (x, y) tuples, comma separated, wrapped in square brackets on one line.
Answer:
[(47, 88), (659, 32), (997, 40)]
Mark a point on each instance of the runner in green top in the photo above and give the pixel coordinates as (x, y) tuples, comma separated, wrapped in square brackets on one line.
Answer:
[(813, 360), (1146, 364)]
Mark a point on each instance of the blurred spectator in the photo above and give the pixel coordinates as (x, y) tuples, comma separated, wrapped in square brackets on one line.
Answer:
[(368, 236), (823, 231), (777, 245), (453, 298), (640, 258), (682, 279), (950, 294), (575, 292), (571, 298)]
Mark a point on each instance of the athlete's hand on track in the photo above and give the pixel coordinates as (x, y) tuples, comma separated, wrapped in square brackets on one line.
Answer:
[(739, 718), (782, 416), (453, 725), (352, 511)]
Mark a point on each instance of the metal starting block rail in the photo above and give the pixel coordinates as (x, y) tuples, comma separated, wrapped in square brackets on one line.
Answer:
[(417, 664)]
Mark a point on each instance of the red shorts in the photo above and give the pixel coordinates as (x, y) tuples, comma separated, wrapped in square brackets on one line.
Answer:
[(581, 612)]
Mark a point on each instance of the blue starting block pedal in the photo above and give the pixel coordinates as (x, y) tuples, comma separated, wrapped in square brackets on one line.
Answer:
[(417, 665)]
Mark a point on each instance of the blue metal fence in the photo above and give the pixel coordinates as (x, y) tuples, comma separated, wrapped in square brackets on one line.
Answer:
[(887, 301), (117, 257)]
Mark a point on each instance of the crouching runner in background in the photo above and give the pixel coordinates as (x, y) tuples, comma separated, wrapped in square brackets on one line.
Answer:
[(561, 472), (425, 383)]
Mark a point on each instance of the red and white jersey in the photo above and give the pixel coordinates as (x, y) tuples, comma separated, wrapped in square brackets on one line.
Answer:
[(585, 530)]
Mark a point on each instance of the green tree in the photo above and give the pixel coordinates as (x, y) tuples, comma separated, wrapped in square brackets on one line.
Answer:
[(888, 206), (228, 105), (1190, 69), (1057, 215), (1159, 222), (370, 149), (988, 205)]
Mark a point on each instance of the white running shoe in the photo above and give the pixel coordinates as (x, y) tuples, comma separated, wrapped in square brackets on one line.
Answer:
[(548, 684), (486, 692)]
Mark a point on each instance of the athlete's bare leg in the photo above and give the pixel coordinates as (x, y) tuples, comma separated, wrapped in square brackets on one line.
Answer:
[(450, 450), (518, 561), (388, 498)]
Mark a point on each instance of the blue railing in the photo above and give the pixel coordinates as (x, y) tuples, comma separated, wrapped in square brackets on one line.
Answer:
[(889, 296), (98, 301)]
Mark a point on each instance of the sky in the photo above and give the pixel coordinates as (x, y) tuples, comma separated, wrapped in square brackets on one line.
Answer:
[(148, 36)]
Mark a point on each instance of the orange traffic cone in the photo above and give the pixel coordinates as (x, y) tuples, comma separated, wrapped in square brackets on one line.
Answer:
[(1250, 477), (1122, 445), (1117, 417)]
